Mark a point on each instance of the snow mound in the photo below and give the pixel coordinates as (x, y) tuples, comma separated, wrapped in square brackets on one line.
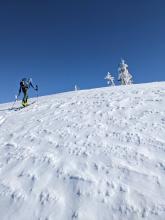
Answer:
[(85, 155)]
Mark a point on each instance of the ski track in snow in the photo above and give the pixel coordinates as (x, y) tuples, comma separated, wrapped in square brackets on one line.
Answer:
[(2, 120), (85, 155)]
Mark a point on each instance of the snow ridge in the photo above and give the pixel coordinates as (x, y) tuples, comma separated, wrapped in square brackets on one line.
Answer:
[(85, 155)]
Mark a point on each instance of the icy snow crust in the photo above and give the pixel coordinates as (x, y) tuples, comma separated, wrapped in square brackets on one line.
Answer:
[(86, 155)]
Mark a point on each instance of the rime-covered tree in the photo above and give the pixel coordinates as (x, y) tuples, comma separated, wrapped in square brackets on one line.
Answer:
[(76, 88), (110, 79), (124, 76)]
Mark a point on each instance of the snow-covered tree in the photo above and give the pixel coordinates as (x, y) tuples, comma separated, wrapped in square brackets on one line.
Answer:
[(76, 88), (124, 76), (110, 79)]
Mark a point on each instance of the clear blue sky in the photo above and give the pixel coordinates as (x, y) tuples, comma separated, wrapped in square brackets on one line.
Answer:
[(60, 43)]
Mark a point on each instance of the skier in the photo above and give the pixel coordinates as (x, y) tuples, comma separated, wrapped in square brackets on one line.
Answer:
[(25, 84)]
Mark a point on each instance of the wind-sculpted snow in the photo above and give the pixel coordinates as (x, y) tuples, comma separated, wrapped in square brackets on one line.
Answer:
[(85, 155)]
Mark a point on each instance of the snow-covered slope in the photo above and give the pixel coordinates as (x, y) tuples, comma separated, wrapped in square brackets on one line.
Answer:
[(87, 155)]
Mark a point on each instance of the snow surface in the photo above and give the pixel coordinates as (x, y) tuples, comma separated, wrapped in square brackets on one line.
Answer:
[(85, 155)]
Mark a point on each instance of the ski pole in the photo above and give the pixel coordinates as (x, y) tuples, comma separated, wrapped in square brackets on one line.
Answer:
[(13, 104), (16, 99)]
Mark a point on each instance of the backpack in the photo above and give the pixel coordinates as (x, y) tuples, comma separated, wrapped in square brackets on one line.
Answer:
[(25, 83)]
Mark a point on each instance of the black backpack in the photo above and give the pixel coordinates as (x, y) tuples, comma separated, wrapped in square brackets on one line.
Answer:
[(24, 83)]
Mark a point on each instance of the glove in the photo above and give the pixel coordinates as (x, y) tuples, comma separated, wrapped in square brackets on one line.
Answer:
[(36, 88)]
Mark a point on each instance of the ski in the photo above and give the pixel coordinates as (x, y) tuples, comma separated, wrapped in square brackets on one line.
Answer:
[(22, 107)]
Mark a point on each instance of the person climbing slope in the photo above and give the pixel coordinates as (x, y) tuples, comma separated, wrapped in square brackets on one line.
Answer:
[(25, 84)]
